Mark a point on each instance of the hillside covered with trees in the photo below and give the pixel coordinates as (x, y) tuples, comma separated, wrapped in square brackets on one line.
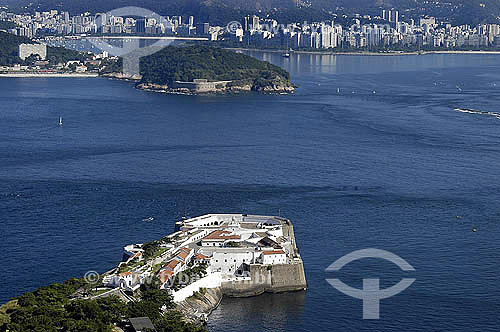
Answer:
[(55, 309), (9, 52), (214, 64)]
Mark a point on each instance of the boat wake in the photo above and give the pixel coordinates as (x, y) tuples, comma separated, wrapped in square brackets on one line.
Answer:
[(472, 111)]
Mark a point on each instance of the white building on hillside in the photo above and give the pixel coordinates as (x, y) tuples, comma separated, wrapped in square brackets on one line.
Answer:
[(25, 50)]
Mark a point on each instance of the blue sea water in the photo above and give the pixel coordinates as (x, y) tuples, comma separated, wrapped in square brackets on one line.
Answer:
[(369, 153)]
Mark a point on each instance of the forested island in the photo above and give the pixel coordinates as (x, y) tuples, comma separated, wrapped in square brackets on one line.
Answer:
[(204, 69)]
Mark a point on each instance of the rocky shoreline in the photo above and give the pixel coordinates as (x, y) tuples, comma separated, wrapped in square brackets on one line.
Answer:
[(278, 279), (277, 87), (232, 89), (122, 76), (198, 307)]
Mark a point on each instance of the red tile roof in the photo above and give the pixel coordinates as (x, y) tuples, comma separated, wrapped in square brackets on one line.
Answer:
[(182, 254), (221, 236), (173, 264), (165, 275), (201, 256), (277, 252)]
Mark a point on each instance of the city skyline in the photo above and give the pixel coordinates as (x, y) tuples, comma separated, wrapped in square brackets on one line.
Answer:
[(385, 31)]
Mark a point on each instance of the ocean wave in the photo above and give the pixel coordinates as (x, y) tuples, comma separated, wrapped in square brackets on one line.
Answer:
[(472, 111)]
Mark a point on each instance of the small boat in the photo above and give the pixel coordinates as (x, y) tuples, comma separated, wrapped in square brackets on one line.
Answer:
[(338, 90), (148, 219), (474, 230), (286, 55), (60, 121)]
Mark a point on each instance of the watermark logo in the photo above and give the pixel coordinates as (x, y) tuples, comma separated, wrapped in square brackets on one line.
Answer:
[(371, 294), (309, 28), (91, 277), (233, 27), (131, 50)]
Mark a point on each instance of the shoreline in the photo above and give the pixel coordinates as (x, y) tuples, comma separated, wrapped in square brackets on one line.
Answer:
[(49, 75), (365, 53)]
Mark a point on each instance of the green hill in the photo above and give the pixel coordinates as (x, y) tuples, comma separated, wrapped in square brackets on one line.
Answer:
[(214, 64), (9, 52)]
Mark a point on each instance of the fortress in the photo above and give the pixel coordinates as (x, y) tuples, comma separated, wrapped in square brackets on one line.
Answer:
[(240, 255)]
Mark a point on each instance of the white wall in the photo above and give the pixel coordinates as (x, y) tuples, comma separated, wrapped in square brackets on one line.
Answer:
[(274, 259), (215, 243), (229, 262), (211, 281)]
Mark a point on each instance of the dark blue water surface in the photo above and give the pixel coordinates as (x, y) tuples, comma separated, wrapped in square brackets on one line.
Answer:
[(386, 162)]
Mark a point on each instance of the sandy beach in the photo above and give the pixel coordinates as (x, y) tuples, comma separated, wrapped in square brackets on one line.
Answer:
[(47, 75)]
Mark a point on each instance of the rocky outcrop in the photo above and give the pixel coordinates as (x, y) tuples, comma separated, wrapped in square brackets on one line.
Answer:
[(122, 76), (197, 307), (234, 88), (152, 87), (276, 88)]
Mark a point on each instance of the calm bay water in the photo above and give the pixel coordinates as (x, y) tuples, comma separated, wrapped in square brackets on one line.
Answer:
[(368, 153)]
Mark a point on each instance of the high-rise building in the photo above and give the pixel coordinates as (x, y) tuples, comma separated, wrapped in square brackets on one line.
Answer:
[(66, 17), (255, 22), (384, 14), (247, 22), (191, 21)]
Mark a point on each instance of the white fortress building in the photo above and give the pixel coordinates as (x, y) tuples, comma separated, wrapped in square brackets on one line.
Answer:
[(26, 50), (241, 255), (236, 241)]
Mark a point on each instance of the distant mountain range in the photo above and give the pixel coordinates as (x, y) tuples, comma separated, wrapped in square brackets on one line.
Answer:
[(223, 11)]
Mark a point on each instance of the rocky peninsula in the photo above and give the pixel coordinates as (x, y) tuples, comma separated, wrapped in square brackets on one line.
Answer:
[(173, 283)]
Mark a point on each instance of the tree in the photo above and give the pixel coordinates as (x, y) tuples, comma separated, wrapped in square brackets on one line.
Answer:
[(161, 297)]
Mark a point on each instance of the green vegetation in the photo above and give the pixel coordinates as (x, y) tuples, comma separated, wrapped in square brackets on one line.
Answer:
[(214, 64), (199, 295), (189, 275), (52, 309), (153, 249), (9, 52), (57, 55), (5, 310)]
